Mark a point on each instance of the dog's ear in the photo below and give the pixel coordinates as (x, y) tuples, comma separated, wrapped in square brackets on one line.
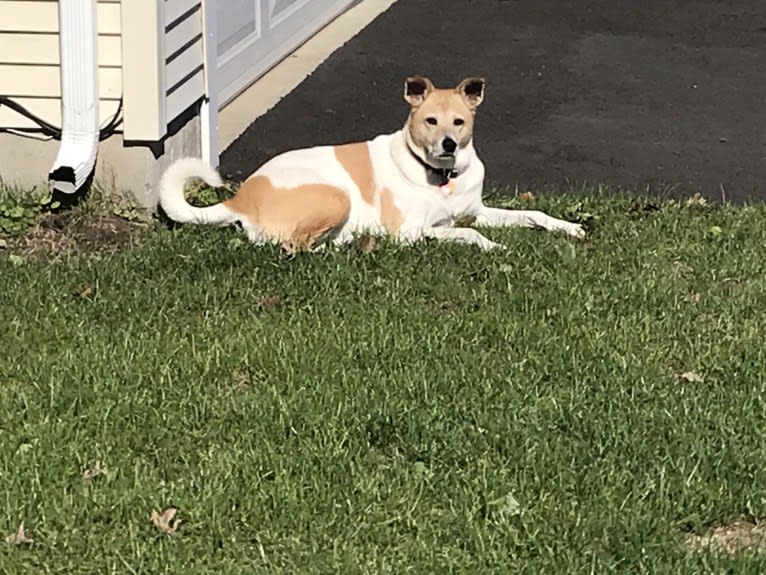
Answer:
[(472, 90), (416, 90)]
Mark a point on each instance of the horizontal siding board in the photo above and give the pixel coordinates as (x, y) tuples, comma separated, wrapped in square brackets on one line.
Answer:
[(182, 66), (44, 81), (109, 21), (174, 9), (26, 16), (49, 109), (188, 93), (182, 34), (44, 49)]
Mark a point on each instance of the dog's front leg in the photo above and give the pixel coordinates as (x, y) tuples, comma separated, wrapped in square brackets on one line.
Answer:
[(528, 218), (462, 235)]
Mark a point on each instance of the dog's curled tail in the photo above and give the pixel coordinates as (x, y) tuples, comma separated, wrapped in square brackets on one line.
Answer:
[(174, 203)]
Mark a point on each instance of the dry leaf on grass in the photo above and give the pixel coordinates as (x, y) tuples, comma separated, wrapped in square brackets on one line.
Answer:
[(18, 538), (268, 301), (696, 200), (368, 244), (694, 298), (241, 380), (681, 270), (165, 522), (94, 471), (505, 507), (691, 377), (86, 292)]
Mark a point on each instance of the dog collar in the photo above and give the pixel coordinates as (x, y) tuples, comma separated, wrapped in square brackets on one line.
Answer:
[(444, 174)]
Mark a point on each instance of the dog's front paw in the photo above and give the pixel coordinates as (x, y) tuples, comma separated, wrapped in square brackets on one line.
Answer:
[(492, 246), (575, 230)]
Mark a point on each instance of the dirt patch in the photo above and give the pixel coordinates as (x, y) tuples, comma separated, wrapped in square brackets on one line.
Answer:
[(65, 234), (731, 538)]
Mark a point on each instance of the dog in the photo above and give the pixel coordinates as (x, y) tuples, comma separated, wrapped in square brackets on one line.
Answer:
[(412, 184)]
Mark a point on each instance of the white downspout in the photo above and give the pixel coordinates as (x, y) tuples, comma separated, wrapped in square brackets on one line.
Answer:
[(209, 108), (78, 43)]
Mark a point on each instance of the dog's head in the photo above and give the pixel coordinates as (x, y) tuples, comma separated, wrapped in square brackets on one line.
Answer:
[(440, 123)]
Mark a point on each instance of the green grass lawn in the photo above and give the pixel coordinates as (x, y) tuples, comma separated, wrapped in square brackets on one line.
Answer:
[(428, 410)]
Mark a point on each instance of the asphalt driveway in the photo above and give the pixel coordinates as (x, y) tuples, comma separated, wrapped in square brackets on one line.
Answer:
[(632, 94)]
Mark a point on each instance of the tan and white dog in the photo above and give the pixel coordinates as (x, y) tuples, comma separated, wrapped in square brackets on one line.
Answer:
[(412, 184)]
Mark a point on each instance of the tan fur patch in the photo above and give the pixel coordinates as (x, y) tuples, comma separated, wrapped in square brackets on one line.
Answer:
[(295, 217), (390, 216), (355, 159)]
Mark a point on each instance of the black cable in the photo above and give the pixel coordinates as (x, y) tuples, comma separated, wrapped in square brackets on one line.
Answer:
[(45, 127), (113, 124), (55, 132)]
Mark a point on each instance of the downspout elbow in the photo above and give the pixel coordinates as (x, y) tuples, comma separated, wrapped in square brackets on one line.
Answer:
[(78, 44)]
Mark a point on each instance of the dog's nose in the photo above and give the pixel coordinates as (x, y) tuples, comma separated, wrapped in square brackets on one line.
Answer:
[(449, 145)]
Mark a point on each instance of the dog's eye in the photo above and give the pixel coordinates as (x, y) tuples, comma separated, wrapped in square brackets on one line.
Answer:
[(431, 120), (459, 121)]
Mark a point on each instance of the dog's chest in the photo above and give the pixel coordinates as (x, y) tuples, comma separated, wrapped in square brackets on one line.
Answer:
[(419, 201), (439, 205)]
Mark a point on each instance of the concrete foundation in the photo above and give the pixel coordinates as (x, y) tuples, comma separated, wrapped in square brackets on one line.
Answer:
[(131, 171), (134, 170)]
